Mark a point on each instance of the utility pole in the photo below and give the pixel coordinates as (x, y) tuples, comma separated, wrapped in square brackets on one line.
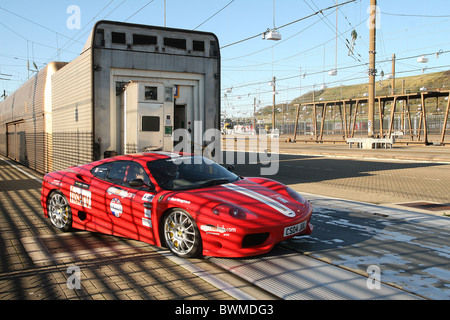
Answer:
[(273, 104), (372, 70), (254, 114), (393, 75)]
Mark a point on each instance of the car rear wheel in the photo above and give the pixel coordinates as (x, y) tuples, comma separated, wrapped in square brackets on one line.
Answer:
[(59, 211), (181, 234)]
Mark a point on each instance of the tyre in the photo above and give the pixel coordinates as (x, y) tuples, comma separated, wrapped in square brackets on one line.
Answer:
[(181, 234), (59, 211)]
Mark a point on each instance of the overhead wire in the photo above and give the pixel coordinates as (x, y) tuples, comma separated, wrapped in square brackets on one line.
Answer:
[(35, 23), (353, 66), (303, 52), (139, 10), (287, 24), (269, 101), (68, 44), (276, 44), (213, 15), (297, 75), (414, 15), (72, 40), (327, 22), (349, 67)]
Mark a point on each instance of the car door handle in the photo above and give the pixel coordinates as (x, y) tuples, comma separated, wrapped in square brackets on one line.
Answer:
[(148, 205)]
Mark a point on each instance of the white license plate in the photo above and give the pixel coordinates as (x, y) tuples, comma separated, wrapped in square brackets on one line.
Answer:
[(289, 231)]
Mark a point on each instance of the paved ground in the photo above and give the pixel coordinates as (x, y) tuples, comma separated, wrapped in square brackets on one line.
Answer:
[(397, 152), (39, 263), (129, 270), (403, 174)]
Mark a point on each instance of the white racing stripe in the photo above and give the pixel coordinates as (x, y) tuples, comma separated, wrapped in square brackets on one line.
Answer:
[(266, 200)]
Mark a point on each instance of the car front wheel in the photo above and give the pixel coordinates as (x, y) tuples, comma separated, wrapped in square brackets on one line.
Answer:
[(181, 234), (59, 211)]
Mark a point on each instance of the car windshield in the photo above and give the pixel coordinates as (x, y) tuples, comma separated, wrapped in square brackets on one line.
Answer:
[(189, 172)]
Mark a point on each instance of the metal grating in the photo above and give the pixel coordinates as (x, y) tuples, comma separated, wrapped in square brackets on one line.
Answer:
[(292, 276)]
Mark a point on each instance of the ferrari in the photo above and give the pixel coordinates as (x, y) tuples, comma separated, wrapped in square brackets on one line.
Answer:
[(187, 203)]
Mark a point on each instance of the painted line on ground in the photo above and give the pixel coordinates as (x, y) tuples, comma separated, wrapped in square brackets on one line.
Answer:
[(21, 170)]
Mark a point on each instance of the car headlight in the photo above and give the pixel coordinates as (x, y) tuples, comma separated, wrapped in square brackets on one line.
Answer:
[(294, 195), (233, 211)]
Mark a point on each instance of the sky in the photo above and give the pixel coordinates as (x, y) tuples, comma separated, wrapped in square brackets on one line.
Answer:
[(315, 40)]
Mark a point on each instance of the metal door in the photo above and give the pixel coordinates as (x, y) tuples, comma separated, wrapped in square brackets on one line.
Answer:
[(148, 114), (16, 142)]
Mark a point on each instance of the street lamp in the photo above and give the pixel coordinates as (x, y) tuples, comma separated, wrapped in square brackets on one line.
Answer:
[(271, 34), (422, 59)]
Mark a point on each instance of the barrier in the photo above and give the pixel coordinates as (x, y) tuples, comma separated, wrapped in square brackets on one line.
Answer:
[(371, 143)]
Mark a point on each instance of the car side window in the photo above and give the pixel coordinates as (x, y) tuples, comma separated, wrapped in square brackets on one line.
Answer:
[(117, 172), (136, 171), (101, 171), (121, 172)]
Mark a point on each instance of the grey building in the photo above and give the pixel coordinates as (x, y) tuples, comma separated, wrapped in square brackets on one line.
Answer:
[(130, 88)]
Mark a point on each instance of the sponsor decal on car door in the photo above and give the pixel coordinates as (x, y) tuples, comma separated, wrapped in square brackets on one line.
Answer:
[(80, 196)]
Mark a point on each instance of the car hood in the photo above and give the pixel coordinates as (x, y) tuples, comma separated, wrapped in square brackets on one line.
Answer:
[(255, 198)]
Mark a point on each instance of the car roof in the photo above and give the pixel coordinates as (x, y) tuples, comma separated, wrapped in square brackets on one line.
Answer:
[(145, 156), (141, 158), (138, 157)]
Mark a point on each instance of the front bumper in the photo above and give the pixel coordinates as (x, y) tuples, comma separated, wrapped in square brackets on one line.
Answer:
[(250, 241)]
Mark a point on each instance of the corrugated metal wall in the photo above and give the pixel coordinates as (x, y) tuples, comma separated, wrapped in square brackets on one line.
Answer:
[(72, 139), (22, 135)]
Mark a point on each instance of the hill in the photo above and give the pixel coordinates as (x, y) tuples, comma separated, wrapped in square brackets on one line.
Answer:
[(430, 81)]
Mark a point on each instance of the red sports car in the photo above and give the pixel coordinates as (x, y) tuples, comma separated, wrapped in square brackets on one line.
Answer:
[(188, 203)]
